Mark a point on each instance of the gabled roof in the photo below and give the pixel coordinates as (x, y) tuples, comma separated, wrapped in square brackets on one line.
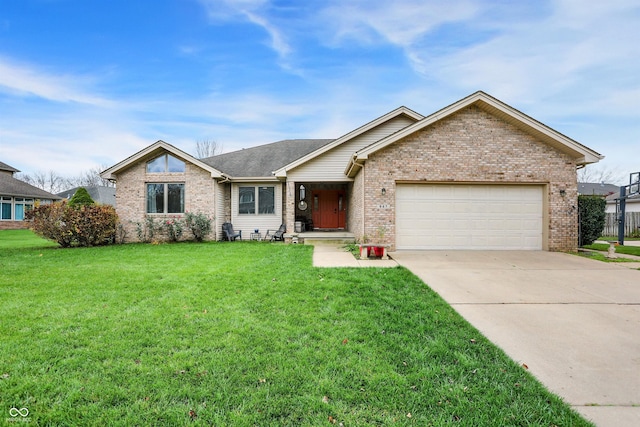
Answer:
[(10, 186), (581, 153), (282, 171), (155, 149), (261, 161)]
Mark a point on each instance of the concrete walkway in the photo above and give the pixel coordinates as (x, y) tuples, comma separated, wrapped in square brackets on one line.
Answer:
[(334, 255), (574, 322)]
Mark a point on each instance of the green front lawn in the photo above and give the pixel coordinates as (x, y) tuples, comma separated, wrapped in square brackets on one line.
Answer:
[(12, 239), (245, 333)]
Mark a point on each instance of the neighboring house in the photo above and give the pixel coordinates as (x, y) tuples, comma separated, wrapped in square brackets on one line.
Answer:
[(17, 197), (99, 193), (477, 174), (597, 189), (632, 203)]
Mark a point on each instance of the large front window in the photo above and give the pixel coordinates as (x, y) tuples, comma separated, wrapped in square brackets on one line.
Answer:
[(256, 199), (165, 198)]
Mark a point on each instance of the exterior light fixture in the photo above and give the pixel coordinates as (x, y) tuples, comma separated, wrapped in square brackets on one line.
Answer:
[(384, 191)]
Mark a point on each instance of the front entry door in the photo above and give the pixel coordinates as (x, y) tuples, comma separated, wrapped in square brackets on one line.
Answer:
[(329, 209)]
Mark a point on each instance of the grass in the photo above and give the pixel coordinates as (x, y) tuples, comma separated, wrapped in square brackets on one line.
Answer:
[(244, 334), (608, 238), (23, 239), (628, 250), (601, 257)]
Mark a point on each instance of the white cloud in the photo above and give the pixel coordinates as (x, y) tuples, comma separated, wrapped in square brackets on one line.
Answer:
[(27, 80), (400, 22), (254, 11)]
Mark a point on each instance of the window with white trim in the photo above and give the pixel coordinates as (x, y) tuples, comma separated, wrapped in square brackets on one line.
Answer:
[(14, 208), (165, 198), (260, 199)]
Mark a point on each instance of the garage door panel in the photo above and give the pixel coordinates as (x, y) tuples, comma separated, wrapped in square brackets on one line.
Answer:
[(469, 216)]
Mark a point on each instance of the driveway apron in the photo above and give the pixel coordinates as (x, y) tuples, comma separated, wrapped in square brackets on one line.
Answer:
[(574, 322)]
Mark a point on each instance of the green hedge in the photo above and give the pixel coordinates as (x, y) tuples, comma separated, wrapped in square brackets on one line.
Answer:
[(592, 218)]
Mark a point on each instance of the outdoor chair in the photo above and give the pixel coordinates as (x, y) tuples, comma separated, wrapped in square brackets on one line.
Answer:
[(229, 233), (277, 235)]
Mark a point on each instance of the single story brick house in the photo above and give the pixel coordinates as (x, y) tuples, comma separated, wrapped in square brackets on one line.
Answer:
[(17, 197), (477, 174)]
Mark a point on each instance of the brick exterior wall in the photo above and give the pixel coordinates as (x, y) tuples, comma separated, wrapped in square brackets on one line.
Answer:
[(471, 146), (14, 225), (131, 195)]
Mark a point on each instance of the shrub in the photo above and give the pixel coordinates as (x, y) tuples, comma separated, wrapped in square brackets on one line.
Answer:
[(146, 229), (199, 224), (591, 211), (85, 225), (81, 198), (173, 228)]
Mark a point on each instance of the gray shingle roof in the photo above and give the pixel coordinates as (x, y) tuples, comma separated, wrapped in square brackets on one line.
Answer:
[(597, 189), (6, 167), (100, 194), (262, 160), (9, 186)]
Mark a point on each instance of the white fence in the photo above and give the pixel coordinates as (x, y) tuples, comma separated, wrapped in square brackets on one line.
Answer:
[(631, 225)]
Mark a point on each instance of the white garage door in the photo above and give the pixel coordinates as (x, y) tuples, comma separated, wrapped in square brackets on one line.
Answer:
[(443, 216)]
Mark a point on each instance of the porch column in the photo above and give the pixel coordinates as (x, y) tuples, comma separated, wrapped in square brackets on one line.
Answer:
[(290, 204)]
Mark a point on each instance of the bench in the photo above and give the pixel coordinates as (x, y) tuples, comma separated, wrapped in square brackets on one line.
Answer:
[(365, 250)]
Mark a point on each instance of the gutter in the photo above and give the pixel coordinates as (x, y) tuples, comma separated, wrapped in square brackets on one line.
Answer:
[(353, 163)]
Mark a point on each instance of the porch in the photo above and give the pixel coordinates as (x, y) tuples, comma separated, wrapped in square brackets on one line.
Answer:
[(318, 206), (321, 237)]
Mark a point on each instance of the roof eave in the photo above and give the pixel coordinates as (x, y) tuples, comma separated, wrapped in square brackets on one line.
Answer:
[(111, 173), (581, 153), (354, 133)]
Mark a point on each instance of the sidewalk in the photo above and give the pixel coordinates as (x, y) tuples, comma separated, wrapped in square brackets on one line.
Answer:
[(334, 255)]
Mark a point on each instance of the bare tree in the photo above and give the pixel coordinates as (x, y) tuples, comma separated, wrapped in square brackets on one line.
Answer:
[(600, 174), (49, 181), (91, 178), (53, 182), (207, 148)]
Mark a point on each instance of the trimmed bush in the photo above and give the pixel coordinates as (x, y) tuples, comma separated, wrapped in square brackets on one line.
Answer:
[(81, 198), (591, 211), (84, 225), (199, 224)]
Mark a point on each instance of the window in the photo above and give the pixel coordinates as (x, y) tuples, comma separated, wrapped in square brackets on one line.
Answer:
[(256, 199), (165, 163), (16, 206), (165, 198), (247, 200), (20, 207), (5, 207)]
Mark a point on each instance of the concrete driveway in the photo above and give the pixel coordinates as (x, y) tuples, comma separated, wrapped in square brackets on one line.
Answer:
[(574, 322)]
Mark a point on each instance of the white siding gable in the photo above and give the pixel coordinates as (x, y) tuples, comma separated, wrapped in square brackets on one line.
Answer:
[(330, 166), (250, 222)]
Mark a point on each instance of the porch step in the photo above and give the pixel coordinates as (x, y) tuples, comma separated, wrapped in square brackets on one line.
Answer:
[(327, 237)]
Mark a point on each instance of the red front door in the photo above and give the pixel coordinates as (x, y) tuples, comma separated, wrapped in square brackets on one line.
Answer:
[(328, 209)]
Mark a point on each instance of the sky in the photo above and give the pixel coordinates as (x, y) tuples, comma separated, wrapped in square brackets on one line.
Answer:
[(85, 84)]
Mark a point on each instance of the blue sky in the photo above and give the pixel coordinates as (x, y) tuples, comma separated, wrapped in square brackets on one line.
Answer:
[(88, 83)]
